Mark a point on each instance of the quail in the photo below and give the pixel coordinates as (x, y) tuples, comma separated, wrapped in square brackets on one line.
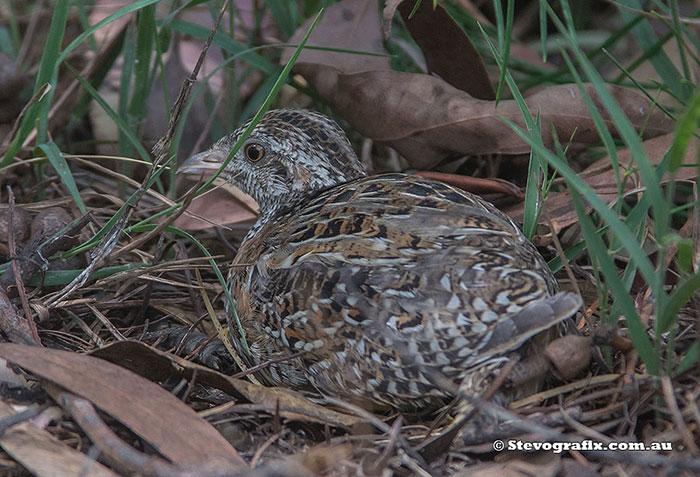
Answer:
[(366, 287)]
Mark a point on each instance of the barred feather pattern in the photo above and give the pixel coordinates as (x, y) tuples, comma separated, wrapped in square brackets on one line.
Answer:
[(377, 281)]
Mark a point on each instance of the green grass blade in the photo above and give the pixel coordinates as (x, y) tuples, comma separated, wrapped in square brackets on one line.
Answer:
[(599, 253), (686, 128), (690, 359), (646, 39), (123, 127), (61, 166), (624, 128), (680, 296), (618, 227), (49, 69), (145, 34)]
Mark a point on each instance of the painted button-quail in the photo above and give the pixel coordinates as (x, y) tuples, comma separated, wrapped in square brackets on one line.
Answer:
[(374, 283)]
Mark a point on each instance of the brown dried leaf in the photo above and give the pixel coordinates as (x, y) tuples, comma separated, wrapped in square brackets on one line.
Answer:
[(423, 117), (475, 185), (449, 54), (601, 177), (217, 207), (350, 25), (158, 365), (426, 119), (150, 411), (42, 454)]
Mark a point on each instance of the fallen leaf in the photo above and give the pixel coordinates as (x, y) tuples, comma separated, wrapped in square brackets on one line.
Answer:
[(601, 177), (167, 423), (449, 55), (217, 207), (475, 185), (158, 365), (42, 454), (426, 119)]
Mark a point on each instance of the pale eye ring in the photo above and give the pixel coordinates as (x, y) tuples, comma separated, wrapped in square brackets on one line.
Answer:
[(254, 151)]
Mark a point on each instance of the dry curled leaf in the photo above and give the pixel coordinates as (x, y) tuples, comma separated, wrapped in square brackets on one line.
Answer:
[(167, 423), (450, 54), (427, 120), (424, 117), (601, 177), (159, 365), (43, 454)]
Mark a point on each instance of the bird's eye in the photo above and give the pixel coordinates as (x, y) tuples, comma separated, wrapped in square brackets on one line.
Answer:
[(254, 152)]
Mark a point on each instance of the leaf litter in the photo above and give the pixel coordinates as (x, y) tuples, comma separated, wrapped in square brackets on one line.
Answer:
[(428, 117)]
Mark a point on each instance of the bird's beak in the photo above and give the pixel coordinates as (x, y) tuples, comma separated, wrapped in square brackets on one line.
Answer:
[(203, 164)]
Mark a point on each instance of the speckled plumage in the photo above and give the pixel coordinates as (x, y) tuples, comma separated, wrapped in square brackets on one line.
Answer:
[(380, 280)]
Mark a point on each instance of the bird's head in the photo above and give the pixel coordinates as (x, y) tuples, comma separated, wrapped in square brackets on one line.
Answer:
[(290, 156)]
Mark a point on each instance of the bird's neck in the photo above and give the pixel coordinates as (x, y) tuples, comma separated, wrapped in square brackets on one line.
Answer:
[(274, 212)]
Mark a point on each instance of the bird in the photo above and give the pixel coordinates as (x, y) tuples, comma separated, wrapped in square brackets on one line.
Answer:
[(365, 287)]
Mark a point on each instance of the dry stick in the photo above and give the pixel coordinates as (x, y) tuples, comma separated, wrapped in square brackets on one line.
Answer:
[(160, 150), (109, 444), (108, 324), (162, 147), (379, 424), (159, 228), (15, 268), (98, 256), (29, 33), (262, 448), (199, 348), (12, 323), (676, 415), (18, 417), (560, 252), (382, 461)]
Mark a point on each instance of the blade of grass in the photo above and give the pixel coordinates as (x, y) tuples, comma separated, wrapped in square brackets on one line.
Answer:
[(623, 125), (46, 75), (680, 296), (690, 359), (48, 70), (145, 33), (686, 128), (285, 15), (504, 38), (535, 171), (646, 39), (121, 124), (32, 114), (61, 166), (543, 29), (599, 252)]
